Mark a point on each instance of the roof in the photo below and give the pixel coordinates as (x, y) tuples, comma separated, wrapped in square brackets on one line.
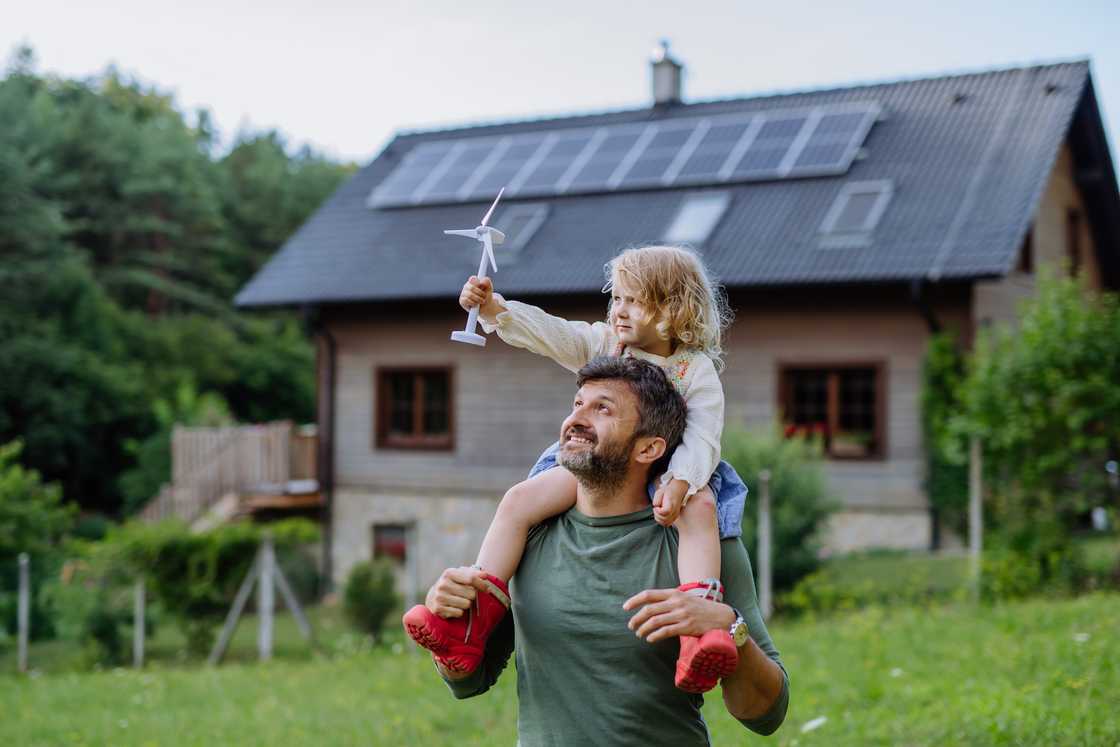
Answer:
[(967, 157)]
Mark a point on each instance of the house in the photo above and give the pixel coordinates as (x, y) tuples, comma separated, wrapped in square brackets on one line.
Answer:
[(848, 224)]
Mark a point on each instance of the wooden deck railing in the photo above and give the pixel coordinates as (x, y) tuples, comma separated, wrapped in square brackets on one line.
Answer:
[(208, 463)]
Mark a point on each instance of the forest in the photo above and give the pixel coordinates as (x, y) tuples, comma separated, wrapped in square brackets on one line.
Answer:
[(127, 226)]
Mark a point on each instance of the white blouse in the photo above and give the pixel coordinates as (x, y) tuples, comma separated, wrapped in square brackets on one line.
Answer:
[(574, 344)]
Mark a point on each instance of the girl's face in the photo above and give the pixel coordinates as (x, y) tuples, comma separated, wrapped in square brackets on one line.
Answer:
[(631, 319)]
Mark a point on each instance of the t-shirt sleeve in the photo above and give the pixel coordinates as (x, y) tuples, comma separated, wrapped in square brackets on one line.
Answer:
[(571, 344), (739, 592), (499, 647)]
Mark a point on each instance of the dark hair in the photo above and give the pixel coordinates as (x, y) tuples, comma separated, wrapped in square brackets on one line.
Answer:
[(661, 408)]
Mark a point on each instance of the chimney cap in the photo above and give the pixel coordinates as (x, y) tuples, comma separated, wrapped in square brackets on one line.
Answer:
[(661, 53)]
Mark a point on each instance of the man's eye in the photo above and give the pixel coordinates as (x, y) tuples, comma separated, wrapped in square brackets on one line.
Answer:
[(604, 408)]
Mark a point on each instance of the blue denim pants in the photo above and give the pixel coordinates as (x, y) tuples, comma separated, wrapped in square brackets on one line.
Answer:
[(726, 485)]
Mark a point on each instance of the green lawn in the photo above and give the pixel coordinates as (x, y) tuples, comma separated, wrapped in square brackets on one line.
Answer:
[(1044, 672)]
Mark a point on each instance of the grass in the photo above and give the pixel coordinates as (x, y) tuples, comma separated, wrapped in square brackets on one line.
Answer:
[(1042, 672)]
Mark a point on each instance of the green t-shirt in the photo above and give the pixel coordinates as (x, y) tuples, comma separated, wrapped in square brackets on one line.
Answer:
[(583, 677)]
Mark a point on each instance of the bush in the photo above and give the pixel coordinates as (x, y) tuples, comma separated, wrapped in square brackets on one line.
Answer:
[(879, 577), (799, 501), (370, 595), (194, 577), (33, 520)]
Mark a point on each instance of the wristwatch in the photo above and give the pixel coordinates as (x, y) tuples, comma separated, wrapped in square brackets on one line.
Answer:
[(739, 632)]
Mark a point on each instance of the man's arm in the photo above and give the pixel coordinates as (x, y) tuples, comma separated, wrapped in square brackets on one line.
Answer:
[(757, 692)]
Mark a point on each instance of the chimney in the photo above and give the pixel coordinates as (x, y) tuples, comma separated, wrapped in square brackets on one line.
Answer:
[(666, 74)]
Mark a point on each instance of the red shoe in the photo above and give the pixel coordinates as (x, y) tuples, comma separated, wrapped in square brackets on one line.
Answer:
[(703, 661), (459, 642)]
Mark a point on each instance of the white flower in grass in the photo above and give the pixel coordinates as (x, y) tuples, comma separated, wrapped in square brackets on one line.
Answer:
[(816, 723), (896, 672), (1080, 637)]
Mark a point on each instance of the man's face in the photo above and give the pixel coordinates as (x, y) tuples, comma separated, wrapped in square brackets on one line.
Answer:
[(597, 439)]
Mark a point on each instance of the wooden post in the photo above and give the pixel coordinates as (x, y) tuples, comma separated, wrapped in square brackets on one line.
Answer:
[(765, 572), (23, 613), (265, 601), (234, 615), (138, 625), (975, 513), (290, 600)]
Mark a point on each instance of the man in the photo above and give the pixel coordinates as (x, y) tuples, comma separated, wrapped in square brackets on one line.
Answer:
[(595, 653)]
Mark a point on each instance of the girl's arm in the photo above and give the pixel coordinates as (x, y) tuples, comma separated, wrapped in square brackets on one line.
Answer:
[(697, 457), (571, 344)]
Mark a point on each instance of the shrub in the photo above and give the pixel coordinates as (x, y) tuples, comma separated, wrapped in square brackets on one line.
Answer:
[(33, 519), (879, 577), (194, 577), (799, 500), (1044, 402), (370, 595)]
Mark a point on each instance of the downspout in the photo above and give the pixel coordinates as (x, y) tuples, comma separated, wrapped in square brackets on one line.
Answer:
[(921, 302), (327, 350)]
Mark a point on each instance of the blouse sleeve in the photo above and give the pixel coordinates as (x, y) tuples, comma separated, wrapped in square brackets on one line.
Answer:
[(571, 344), (697, 456)]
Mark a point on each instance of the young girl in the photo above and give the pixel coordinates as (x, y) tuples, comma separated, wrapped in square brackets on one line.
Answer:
[(664, 309)]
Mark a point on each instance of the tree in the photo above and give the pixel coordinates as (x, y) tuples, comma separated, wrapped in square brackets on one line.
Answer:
[(1044, 401)]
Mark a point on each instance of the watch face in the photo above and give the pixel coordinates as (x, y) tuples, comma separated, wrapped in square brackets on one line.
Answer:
[(739, 632)]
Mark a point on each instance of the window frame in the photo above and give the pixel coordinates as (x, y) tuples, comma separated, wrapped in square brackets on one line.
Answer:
[(383, 438), (832, 237), (406, 530), (784, 392)]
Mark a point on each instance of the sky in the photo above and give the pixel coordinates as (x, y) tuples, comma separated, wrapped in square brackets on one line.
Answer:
[(342, 77)]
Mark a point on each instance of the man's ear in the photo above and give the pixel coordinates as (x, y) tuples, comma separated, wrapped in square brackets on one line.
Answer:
[(649, 449)]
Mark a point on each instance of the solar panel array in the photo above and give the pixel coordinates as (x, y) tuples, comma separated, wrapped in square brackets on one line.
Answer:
[(681, 152)]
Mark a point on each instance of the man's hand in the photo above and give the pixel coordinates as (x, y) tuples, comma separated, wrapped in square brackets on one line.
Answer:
[(666, 613), (481, 293), (454, 592), (668, 502)]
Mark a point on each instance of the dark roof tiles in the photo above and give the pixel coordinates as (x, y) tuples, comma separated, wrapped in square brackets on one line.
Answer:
[(968, 157)]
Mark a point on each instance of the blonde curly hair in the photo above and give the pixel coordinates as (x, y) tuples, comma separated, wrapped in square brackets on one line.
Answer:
[(689, 306)]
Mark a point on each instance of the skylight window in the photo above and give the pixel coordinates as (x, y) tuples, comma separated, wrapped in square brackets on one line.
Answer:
[(697, 218), (519, 223), (855, 213)]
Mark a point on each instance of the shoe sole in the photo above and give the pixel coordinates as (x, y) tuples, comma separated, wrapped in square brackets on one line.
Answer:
[(419, 631), (705, 671)]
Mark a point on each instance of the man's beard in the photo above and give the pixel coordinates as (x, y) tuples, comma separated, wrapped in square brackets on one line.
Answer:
[(599, 469)]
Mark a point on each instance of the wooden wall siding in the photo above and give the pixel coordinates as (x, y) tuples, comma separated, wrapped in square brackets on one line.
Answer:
[(508, 406), (510, 403), (998, 301)]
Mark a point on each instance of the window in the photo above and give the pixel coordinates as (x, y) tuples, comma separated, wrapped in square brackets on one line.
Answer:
[(854, 214), (697, 217), (390, 541), (414, 408), (841, 405), (1073, 240), (518, 223)]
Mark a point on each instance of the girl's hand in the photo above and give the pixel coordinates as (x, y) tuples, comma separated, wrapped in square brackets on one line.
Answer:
[(476, 293), (668, 502)]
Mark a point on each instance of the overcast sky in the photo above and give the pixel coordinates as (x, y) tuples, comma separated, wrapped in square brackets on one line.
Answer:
[(342, 76)]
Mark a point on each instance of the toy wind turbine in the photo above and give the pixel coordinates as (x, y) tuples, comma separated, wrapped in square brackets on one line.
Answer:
[(488, 237)]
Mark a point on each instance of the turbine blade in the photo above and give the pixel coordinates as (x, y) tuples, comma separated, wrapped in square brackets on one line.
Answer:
[(468, 232), (495, 235), (491, 210), (489, 247)]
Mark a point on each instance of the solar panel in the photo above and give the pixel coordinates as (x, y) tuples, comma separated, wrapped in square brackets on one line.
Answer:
[(712, 150)]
